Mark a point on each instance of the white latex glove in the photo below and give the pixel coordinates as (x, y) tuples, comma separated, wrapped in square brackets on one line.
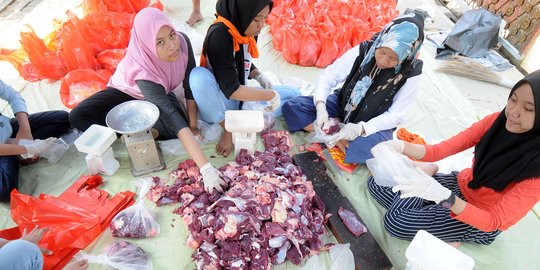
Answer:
[(349, 132), (211, 178), (36, 147), (396, 145), (422, 186), (264, 81), (275, 102), (322, 116)]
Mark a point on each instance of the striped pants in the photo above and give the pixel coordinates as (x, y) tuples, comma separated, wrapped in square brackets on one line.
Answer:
[(406, 216)]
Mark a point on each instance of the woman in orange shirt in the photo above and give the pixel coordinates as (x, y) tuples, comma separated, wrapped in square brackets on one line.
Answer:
[(476, 204)]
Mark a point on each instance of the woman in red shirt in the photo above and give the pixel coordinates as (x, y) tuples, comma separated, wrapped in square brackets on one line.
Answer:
[(476, 204)]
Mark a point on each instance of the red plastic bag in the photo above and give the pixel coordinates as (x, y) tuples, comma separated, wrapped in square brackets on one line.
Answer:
[(48, 64), (107, 30), (83, 194), (329, 52), (70, 227), (75, 49), (311, 49), (109, 59), (291, 46), (79, 84)]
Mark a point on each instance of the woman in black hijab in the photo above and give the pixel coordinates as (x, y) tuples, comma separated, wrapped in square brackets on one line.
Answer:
[(228, 50), (476, 204)]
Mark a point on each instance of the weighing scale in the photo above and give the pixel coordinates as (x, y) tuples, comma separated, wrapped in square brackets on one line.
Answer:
[(135, 119), (244, 125)]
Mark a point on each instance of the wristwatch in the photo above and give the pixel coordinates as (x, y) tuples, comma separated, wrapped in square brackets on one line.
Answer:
[(448, 203)]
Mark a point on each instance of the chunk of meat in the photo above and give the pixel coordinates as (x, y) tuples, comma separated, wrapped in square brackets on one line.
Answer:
[(352, 222)]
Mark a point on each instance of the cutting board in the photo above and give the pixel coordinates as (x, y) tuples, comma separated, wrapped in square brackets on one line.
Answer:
[(367, 252)]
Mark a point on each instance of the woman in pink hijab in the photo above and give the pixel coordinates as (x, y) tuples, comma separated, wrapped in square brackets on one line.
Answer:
[(158, 59)]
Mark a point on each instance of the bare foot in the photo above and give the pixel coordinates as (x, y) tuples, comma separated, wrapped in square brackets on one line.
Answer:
[(455, 244), (225, 145), (196, 16), (76, 265)]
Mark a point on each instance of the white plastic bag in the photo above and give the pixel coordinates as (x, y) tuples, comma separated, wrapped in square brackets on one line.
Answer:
[(121, 255), (305, 87), (136, 221), (342, 257), (387, 163), (429, 252)]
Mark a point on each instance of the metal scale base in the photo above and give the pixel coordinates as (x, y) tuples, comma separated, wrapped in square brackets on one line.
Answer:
[(144, 155)]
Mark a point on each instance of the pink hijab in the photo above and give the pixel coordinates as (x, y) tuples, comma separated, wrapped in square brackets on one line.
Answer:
[(141, 61)]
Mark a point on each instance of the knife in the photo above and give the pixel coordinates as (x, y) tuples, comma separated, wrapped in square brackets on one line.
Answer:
[(334, 169)]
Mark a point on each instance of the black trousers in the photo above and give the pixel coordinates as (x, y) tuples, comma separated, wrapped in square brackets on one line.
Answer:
[(94, 109)]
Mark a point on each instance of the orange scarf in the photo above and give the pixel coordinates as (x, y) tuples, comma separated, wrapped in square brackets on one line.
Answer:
[(237, 40)]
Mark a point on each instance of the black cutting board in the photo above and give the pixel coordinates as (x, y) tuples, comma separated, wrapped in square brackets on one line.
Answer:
[(367, 252)]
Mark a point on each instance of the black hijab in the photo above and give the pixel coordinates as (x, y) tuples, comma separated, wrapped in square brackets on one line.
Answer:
[(502, 157), (241, 12), (387, 82)]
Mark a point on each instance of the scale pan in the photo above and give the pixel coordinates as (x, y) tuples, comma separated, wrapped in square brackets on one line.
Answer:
[(132, 116)]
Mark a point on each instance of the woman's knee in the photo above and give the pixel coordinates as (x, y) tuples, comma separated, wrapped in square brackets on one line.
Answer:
[(199, 78), (21, 254), (394, 226), (76, 117)]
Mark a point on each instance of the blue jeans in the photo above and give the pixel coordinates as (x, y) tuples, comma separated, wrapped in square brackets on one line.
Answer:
[(211, 101), (299, 112), (21, 255)]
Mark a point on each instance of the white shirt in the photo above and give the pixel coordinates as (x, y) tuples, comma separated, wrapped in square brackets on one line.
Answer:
[(338, 71)]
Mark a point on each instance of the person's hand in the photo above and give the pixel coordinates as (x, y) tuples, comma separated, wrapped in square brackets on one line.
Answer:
[(24, 133), (211, 178), (349, 132), (196, 132), (76, 265), (264, 81), (35, 236), (38, 146), (275, 102), (421, 185), (396, 145), (322, 116)]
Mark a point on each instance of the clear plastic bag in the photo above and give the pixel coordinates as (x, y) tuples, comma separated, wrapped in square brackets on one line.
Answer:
[(55, 151), (172, 147), (136, 221), (387, 163), (209, 132), (119, 255), (326, 135), (269, 117)]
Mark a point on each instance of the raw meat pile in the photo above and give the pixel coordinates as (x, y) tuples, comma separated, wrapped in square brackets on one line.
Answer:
[(268, 213)]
